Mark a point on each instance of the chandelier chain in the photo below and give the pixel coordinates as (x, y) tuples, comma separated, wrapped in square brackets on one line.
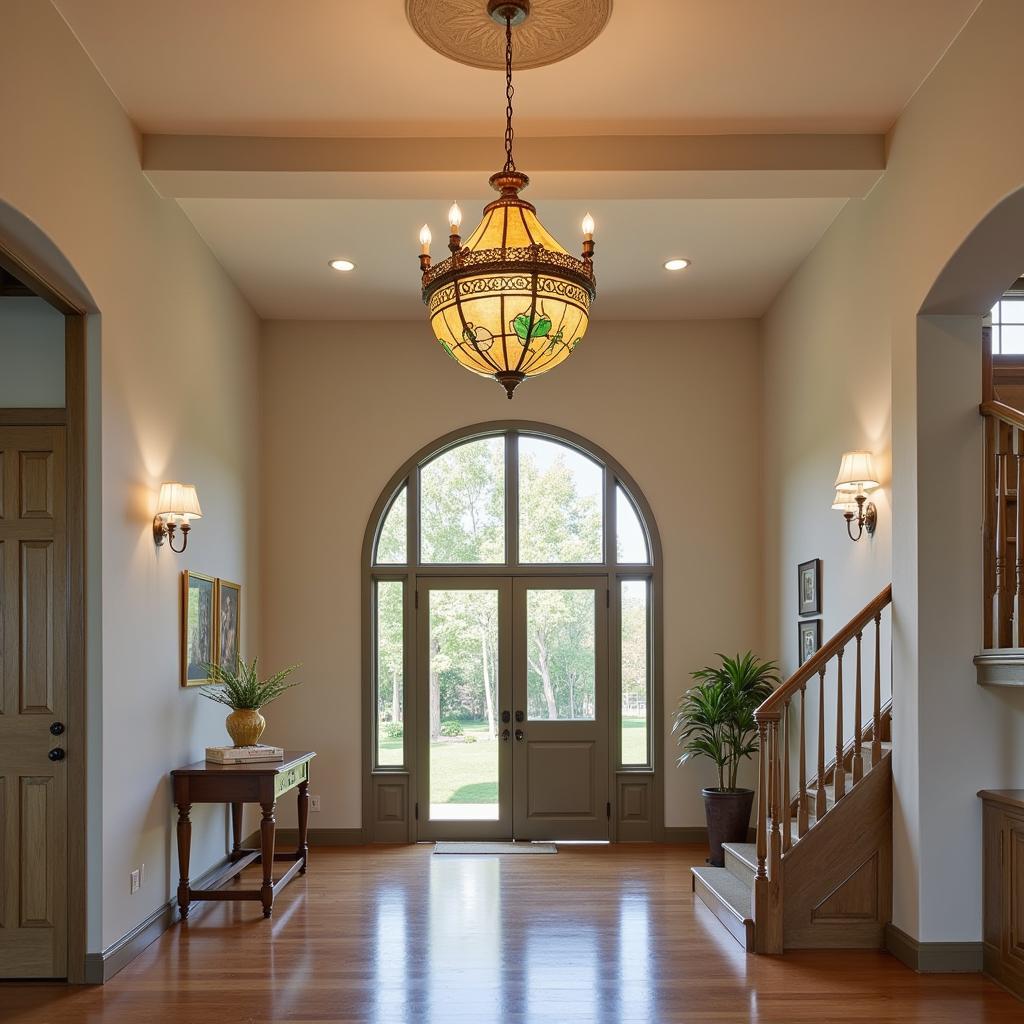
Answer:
[(510, 163)]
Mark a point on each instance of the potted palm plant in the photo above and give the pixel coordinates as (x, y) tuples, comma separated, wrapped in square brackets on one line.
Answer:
[(715, 719), (241, 689)]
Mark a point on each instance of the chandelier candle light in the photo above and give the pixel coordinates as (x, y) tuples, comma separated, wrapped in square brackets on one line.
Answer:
[(510, 303)]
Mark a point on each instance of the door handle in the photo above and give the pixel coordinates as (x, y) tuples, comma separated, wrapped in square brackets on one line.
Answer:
[(519, 716), (57, 754), (520, 734), (506, 716), (505, 735)]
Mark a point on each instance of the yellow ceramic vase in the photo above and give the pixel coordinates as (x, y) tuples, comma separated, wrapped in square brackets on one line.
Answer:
[(245, 726)]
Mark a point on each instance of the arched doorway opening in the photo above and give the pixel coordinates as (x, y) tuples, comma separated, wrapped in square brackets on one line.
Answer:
[(512, 644)]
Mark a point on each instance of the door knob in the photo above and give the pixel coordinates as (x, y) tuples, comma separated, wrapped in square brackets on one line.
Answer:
[(505, 735), (56, 728), (519, 716), (506, 716), (520, 734), (57, 754)]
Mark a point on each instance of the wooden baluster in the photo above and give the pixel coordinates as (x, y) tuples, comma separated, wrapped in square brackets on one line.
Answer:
[(801, 807), (1000, 609), (1017, 640), (876, 712), (776, 845), (786, 805), (762, 801), (839, 778), (858, 757), (989, 530), (820, 805)]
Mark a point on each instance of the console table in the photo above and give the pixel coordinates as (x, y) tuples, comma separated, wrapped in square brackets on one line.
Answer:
[(207, 783)]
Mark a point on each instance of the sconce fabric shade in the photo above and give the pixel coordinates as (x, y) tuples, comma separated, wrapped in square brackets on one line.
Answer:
[(178, 501), (844, 502), (856, 473)]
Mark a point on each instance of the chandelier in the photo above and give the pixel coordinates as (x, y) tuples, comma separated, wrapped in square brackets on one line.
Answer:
[(510, 303)]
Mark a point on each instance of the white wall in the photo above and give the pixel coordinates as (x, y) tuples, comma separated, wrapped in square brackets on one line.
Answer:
[(31, 354), (346, 404), (179, 394), (848, 321)]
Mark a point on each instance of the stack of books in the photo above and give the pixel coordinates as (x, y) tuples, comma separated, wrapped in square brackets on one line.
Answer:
[(246, 755)]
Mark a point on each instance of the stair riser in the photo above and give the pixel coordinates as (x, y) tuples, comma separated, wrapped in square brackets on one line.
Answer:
[(741, 932), (739, 868)]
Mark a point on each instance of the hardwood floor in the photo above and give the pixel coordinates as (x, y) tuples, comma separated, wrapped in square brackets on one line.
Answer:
[(394, 934)]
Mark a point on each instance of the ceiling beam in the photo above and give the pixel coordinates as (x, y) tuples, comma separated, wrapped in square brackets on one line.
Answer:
[(647, 166)]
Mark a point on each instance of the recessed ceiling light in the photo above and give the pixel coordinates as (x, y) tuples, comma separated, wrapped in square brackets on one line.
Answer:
[(342, 265), (676, 264)]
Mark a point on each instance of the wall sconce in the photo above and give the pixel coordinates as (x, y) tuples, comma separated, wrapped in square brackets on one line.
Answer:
[(855, 481), (176, 507)]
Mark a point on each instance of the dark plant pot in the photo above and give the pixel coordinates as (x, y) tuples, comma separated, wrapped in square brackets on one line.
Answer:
[(728, 814)]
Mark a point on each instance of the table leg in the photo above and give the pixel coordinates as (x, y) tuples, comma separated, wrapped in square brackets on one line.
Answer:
[(236, 830), (184, 853), (267, 828), (303, 850)]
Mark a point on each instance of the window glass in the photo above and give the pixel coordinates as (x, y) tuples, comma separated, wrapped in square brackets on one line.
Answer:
[(631, 540), (560, 507), (635, 672), (462, 504), (390, 673), (391, 543), (560, 657)]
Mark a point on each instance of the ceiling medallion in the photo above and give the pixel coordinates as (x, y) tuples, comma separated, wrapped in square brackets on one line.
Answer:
[(462, 30), (511, 303)]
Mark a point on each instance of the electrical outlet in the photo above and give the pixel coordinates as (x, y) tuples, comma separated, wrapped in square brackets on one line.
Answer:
[(314, 803), (135, 881)]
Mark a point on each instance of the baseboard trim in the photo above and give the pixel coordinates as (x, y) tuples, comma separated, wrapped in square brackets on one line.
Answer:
[(694, 834), (314, 837), (101, 967), (934, 957)]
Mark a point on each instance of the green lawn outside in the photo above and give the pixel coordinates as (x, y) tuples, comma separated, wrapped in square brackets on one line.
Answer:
[(467, 773)]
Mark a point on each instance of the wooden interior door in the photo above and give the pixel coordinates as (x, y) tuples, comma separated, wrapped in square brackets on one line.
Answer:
[(33, 703), (561, 712)]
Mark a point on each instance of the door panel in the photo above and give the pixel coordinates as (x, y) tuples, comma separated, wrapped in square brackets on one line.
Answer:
[(33, 694), (560, 664), (464, 777)]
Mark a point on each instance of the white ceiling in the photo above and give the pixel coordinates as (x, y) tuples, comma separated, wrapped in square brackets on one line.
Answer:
[(743, 251), (355, 67), (746, 210)]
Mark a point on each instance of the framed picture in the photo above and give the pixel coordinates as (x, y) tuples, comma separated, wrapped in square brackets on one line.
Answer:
[(198, 622), (809, 638), (808, 580), (229, 623)]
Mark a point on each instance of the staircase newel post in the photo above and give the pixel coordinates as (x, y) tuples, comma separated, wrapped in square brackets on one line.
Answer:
[(802, 799), (762, 801), (839, 781), (858, 757)]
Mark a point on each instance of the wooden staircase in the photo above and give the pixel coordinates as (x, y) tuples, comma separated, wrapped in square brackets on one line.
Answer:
[(820, 873)]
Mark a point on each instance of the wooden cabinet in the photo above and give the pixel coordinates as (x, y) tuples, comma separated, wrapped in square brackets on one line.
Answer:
[(1003, 853)]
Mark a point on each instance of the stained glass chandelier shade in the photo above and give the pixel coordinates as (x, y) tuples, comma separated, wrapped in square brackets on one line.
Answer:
[(510, 303)]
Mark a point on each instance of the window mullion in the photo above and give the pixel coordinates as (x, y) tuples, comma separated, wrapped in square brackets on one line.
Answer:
[(512, 497)]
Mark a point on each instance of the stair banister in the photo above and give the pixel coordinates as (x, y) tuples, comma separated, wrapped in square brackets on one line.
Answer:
[(774, 800)]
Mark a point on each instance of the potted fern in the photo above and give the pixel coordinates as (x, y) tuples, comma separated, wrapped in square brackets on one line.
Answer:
[(241, 689), (715, 719)]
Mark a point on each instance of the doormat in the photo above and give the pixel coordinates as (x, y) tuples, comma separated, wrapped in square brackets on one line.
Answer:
[(491, 848)]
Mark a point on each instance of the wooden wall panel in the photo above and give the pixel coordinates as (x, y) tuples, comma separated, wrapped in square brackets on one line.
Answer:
[(37, 627)]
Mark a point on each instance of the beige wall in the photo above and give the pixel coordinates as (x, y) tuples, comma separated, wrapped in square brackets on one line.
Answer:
[(847, 324), (345, 404), (175, 373)]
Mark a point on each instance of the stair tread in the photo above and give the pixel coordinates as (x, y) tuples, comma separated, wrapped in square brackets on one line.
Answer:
[(730, 890), (744, 852)]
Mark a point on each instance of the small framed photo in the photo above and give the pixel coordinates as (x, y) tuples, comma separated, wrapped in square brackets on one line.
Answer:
[(198, 632), (229, 624), (808, 579), (809, 638)]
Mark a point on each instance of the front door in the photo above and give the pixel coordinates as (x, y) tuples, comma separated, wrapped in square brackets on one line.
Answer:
[(33, 703), (561, 717), (512, 708)]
